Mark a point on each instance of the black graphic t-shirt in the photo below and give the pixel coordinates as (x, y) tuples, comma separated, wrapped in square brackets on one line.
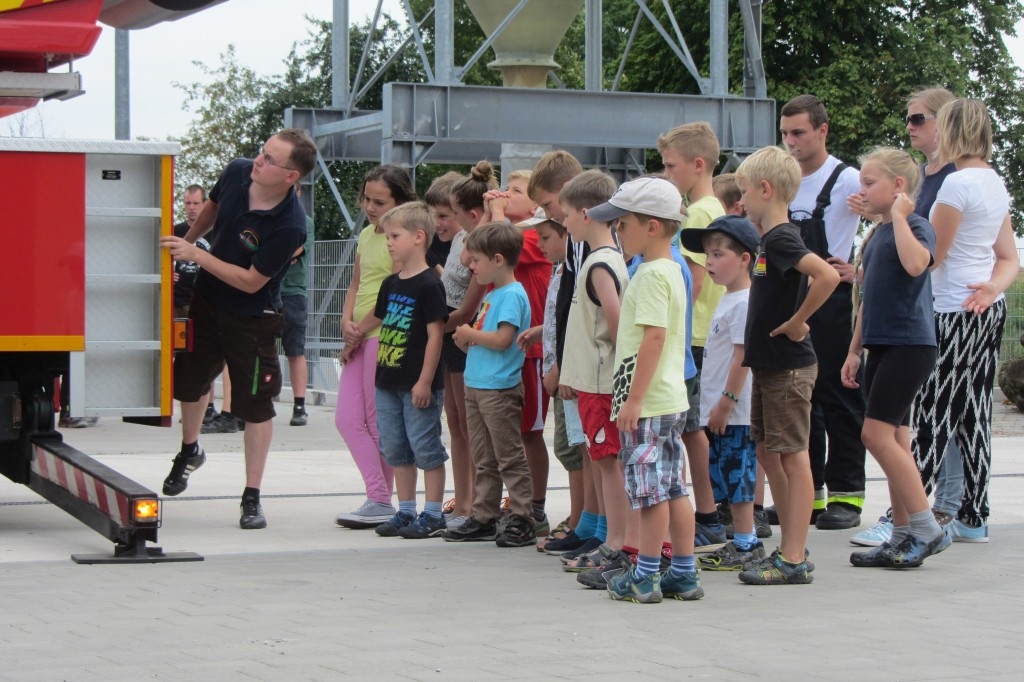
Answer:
[(776, 289), (405, 308), (247, 238)]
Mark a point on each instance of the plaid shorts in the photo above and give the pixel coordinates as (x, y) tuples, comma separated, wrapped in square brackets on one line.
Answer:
[(653, 461)]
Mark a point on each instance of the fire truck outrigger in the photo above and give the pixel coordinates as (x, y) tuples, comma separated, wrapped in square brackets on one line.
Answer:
[(86, 289)]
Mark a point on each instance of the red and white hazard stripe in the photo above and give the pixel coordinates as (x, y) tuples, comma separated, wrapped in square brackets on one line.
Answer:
[(82, 485)]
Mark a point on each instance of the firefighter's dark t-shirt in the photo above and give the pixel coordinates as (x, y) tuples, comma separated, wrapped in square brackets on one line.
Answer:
[(247, 238)]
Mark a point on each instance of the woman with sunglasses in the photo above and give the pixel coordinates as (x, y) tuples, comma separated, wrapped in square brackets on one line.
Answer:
[(975, 261)]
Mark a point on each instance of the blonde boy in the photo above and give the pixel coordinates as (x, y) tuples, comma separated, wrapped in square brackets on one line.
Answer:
[(411, 313), (727, 191), (648, 396), (690, 153), (781, 357)]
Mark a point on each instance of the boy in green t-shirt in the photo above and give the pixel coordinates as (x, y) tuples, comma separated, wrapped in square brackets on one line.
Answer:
[(648, 398)]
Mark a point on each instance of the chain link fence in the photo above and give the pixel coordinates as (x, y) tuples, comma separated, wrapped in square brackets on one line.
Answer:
[(330, 274)]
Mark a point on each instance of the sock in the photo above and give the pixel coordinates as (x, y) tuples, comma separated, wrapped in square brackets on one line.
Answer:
[(587, 526), (744, 541), (601, 532), (708, 519), (251, 494), (898, 534), (758, 507), (538, 509), (432, 509), (189, 449), (682, 564), (630, 550), (646, 565), (924, 526), (407, 506), (300, 402)]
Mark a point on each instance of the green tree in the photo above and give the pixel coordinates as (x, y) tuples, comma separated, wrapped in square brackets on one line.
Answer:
[(862, 58), (237, 110)]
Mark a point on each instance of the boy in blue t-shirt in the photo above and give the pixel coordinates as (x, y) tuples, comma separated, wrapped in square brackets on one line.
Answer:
[(411, 312), (494, 390)]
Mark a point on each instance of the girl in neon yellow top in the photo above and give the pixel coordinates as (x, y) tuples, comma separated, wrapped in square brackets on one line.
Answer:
[(356, 415)]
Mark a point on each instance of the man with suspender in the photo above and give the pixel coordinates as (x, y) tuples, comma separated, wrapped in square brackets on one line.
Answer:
[(829, 228)]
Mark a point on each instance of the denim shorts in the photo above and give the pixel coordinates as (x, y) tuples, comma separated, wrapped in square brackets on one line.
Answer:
[(733, 464), (653, 461), (408, 434)]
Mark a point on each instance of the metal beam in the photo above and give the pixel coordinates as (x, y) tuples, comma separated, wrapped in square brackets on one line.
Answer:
[(463, 124)]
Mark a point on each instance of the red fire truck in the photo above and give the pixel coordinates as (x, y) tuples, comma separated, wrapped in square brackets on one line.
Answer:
[(86, 290)]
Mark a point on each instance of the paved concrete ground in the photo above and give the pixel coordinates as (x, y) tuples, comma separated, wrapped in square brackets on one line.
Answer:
[(306, 600)]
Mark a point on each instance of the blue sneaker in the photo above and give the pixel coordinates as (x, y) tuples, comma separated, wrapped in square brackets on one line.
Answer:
[(707, 538), (911, 551), (425, 526), (390, 528), (623, 585), (874, 536), (964, 533), (684, 588)]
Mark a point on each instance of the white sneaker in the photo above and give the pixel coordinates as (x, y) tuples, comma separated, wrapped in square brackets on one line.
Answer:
[(964, 533), (454, 522), (875, 535), (370, 515)]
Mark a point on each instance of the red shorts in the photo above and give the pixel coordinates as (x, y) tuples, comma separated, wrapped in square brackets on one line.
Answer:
[(535, 400), (601, 432)]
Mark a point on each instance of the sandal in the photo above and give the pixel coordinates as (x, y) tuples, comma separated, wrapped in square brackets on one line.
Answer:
[(589, 561), (449, 506)]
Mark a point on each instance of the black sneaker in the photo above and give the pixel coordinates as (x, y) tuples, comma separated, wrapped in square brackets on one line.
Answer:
[(210, 414), (252, 515), (222, 423), (177, 480), (472, 531), (570, 542), (299, 416), (518, 532), (838, 516)]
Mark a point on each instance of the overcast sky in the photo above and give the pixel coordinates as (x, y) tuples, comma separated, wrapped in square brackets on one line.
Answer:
[(261, 32)]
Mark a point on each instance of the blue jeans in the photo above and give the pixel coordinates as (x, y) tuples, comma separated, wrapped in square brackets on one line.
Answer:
[(408, 434), (949, 485)]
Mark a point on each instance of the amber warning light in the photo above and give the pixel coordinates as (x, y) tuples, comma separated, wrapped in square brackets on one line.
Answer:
[(147, 511)]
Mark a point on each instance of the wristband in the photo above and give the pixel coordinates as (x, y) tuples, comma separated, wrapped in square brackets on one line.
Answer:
[(731, 396)]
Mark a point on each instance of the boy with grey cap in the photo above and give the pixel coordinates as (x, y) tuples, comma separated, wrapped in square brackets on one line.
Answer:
[(648, 393)]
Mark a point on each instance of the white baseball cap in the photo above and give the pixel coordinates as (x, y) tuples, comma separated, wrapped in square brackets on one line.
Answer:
[(655, 197)]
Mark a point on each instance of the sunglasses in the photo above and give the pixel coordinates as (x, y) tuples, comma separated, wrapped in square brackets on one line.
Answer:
[(919, 119)]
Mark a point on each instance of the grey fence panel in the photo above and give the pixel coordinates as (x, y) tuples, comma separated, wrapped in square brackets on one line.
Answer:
[(330, 274)]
